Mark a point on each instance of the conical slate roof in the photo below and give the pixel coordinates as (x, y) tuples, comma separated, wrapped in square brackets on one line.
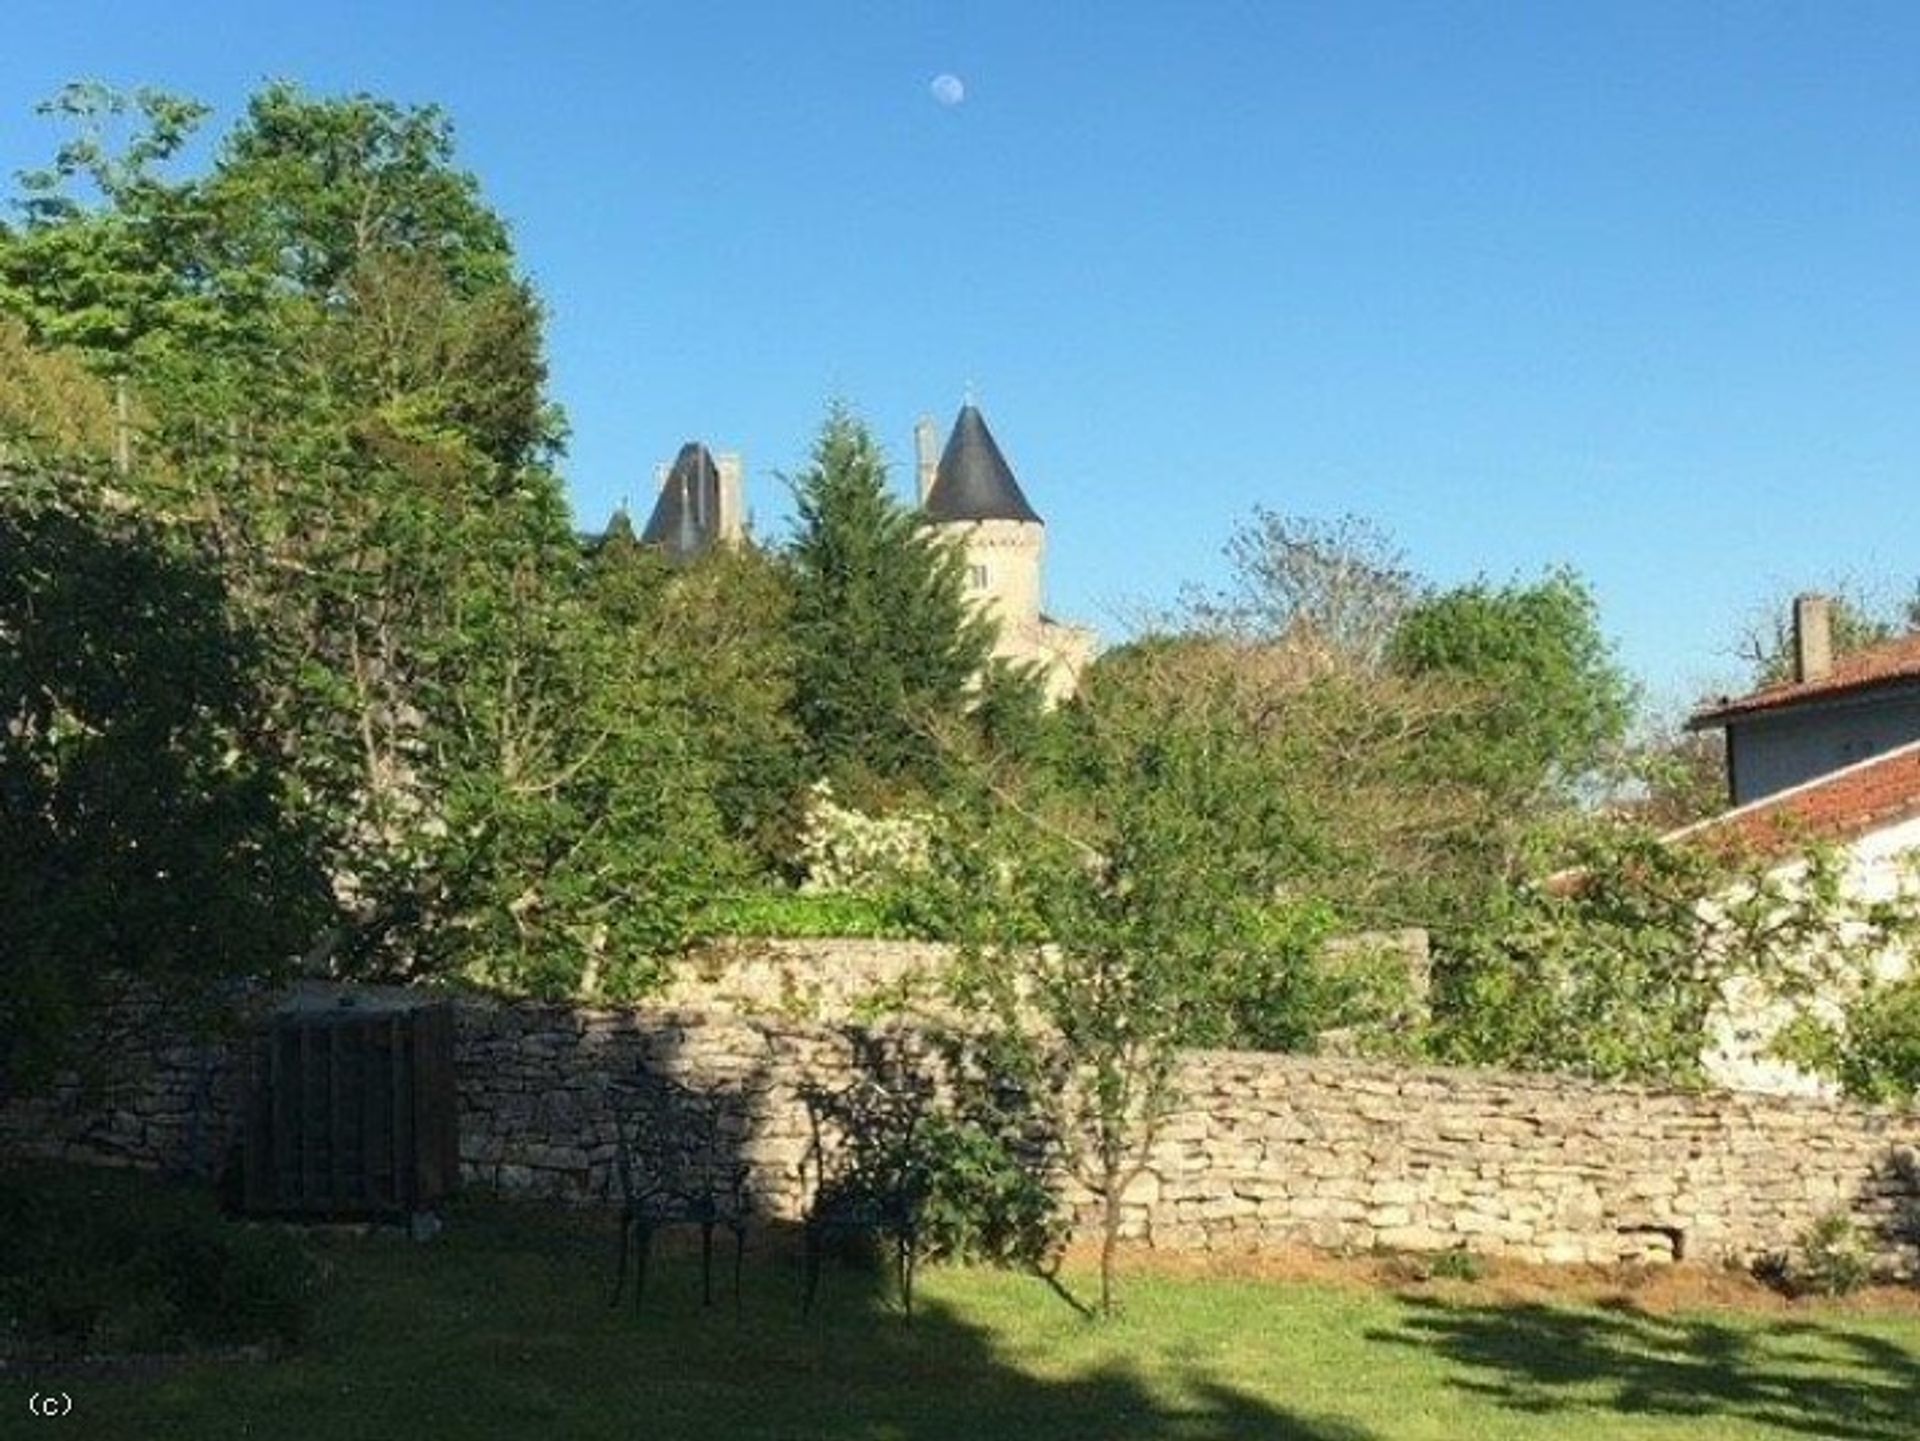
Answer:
[(686, 517), (973, 480)]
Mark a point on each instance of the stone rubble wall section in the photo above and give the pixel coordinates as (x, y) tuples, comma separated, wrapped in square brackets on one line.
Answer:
[(1261, 1149), (823, 980)]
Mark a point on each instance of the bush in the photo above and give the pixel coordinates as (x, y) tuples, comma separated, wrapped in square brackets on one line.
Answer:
[(114, 1262), (818, 915), (985, 1200), (846, 851), (1828, 1259), (1417, 1268)]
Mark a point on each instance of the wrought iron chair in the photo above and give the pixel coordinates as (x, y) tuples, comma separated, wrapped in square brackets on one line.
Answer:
[(675, 1167), (870, 1175)]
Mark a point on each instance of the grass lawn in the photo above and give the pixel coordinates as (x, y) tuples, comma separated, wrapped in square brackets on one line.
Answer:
[(500, 1328)]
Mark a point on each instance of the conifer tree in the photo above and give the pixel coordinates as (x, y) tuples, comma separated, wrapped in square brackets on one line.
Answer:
[(886, 642)]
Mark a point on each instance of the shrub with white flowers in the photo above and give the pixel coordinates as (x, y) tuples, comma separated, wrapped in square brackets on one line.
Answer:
[(845, 850)]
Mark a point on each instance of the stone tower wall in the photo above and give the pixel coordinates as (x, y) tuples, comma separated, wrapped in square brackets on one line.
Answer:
[(1013, 554)]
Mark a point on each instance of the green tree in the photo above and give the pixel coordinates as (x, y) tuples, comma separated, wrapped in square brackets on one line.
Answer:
[(144, 829), (713, 635), (96, 262), (885, 642), (1539, 731), (341, 376), (582, 833), (1872, 1048), (1150, 901), (1553, 703), (52, 409)]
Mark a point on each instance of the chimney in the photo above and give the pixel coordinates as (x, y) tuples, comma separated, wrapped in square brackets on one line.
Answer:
[(927, 455), (1812, 637), (731, 524)]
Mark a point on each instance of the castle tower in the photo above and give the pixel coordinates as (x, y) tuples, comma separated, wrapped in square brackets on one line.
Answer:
[(701, 503), (971, 495)]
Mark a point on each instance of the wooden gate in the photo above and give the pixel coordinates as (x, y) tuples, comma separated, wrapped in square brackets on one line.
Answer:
[(351, 1110)]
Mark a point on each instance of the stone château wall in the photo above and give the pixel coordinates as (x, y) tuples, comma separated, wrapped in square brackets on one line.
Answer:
[(1261, 1150), (818, 980)]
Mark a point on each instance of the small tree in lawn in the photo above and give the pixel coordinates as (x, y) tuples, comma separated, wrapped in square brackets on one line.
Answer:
[(1133, 916)]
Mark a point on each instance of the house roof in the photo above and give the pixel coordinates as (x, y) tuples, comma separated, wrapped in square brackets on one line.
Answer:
[(1890, 663), (973, 480), (686, 515), (1842, 805)]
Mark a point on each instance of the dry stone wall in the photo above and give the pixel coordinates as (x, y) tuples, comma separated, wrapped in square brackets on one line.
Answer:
[(1261, 1150), (820, 980), (1348, 1154)]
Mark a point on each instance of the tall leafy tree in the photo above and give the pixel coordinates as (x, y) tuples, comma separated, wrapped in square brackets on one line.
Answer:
[(1555, 704), (333, 354), (144, 826), (885, 641)]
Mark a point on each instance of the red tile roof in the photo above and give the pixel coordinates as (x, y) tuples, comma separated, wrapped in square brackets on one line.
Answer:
[(1842, 805), (1890, 662)]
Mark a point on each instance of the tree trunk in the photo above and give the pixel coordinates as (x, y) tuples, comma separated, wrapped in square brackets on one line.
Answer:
[(1109, 1236), (122, 428)]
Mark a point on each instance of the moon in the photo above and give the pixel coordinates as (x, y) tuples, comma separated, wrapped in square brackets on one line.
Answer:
[(947, 90)]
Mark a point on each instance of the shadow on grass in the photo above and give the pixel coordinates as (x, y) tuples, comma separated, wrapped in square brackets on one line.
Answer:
[(1797, 1376), (858, 1367), (501, 1328)]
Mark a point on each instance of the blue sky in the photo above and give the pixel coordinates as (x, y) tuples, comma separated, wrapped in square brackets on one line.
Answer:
[(1630, 287)]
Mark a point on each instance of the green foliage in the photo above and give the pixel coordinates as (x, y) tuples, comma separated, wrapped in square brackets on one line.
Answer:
[(52, 410), (143, 826), (1829, 1258), (1156, 880), (511, 764), (717, 638), (581, 834), (886, 645), (1615, 967), (986, 1201), (105, 1262), (989, 1154), (1872, 1048), (812, 915), (324, 184), (1554, 703), (96, 264), (1009, 714), (1372, 826)]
